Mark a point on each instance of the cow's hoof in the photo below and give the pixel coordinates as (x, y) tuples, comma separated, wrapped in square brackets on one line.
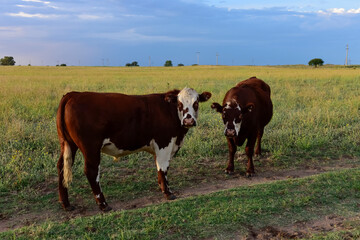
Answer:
[(69, 208), (170, 197), (249, 175), (229, 172), (105, 208)]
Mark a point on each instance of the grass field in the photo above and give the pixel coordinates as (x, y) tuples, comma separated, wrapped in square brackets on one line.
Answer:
[(316, 123), (218, 215)]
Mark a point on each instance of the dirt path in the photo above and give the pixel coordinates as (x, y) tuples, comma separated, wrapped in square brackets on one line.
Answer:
[(302, 229), (235, 180)]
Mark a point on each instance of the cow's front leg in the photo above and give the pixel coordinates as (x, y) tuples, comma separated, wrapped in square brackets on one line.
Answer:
[(249, 149), (258, 145), (164, 185), (162, 159), (232, 150)]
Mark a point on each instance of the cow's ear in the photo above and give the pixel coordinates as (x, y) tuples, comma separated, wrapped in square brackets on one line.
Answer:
[(204, 96), (248, 108), (217, 107), (171, 96)]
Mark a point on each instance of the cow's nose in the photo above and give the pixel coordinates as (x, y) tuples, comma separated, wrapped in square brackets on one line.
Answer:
[(230, 133), (189, 122)]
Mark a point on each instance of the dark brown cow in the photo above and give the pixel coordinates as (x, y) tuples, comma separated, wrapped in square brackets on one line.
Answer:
[(117, 125), (246, 110)]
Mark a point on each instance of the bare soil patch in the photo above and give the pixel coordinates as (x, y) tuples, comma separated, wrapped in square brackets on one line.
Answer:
[(304, 229)]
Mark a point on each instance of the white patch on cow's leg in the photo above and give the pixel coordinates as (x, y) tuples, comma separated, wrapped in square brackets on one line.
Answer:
[(163, 155), (98, 178)]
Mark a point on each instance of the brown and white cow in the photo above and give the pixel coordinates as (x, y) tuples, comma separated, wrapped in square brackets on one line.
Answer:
[(118, 124), (246, 110)]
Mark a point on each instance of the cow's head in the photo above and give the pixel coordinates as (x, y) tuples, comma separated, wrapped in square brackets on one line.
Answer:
[(232, 115), (187, 101)]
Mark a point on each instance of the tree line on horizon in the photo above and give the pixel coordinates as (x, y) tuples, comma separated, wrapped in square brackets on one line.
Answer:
[(10, 61)]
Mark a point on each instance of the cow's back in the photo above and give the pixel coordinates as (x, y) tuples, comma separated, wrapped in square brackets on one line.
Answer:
[(130, 120), (255, 83), (263, 103)]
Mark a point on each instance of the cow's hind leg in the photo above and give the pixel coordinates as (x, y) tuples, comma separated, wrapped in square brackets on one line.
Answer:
[(92, 172), (258, 145), (63, 190)]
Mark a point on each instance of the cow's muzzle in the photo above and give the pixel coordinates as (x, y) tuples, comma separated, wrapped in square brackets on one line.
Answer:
[(189, 121), (230, 133)]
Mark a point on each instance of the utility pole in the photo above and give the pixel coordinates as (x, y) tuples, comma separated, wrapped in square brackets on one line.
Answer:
[(198, 57), (217, 56), (149, 61), (347, 54)]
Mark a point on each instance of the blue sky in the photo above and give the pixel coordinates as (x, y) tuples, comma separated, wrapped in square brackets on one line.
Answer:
[(114, 32)]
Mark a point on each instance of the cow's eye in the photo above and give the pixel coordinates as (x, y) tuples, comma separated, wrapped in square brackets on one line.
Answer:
[(238, 119), (180, 106), (196, 106)]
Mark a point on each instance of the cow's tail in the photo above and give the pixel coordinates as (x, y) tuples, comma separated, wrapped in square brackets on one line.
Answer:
[(65, 140), (68, 162)]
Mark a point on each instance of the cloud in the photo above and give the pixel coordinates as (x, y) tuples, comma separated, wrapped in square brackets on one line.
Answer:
[(45, 4), (89, 17), (36, 1), (339, 11), (36, 15), (11, 32), (131, 35), (24, 6)]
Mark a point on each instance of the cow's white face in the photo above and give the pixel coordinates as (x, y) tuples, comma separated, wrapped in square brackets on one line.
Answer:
[(232, 115), (188, 106), (187, 101)]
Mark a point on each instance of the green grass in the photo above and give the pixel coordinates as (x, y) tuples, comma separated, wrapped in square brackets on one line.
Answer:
[(316, 122), (224, 214)]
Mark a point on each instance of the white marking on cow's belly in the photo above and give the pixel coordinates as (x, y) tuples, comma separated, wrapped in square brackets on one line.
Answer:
[(110, 148), (164, 155)]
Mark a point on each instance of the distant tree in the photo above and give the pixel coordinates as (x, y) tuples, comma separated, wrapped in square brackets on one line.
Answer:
[(63, 65), (316, 62), (133, 64), (168, 63), (7, 61), (180, 65)]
